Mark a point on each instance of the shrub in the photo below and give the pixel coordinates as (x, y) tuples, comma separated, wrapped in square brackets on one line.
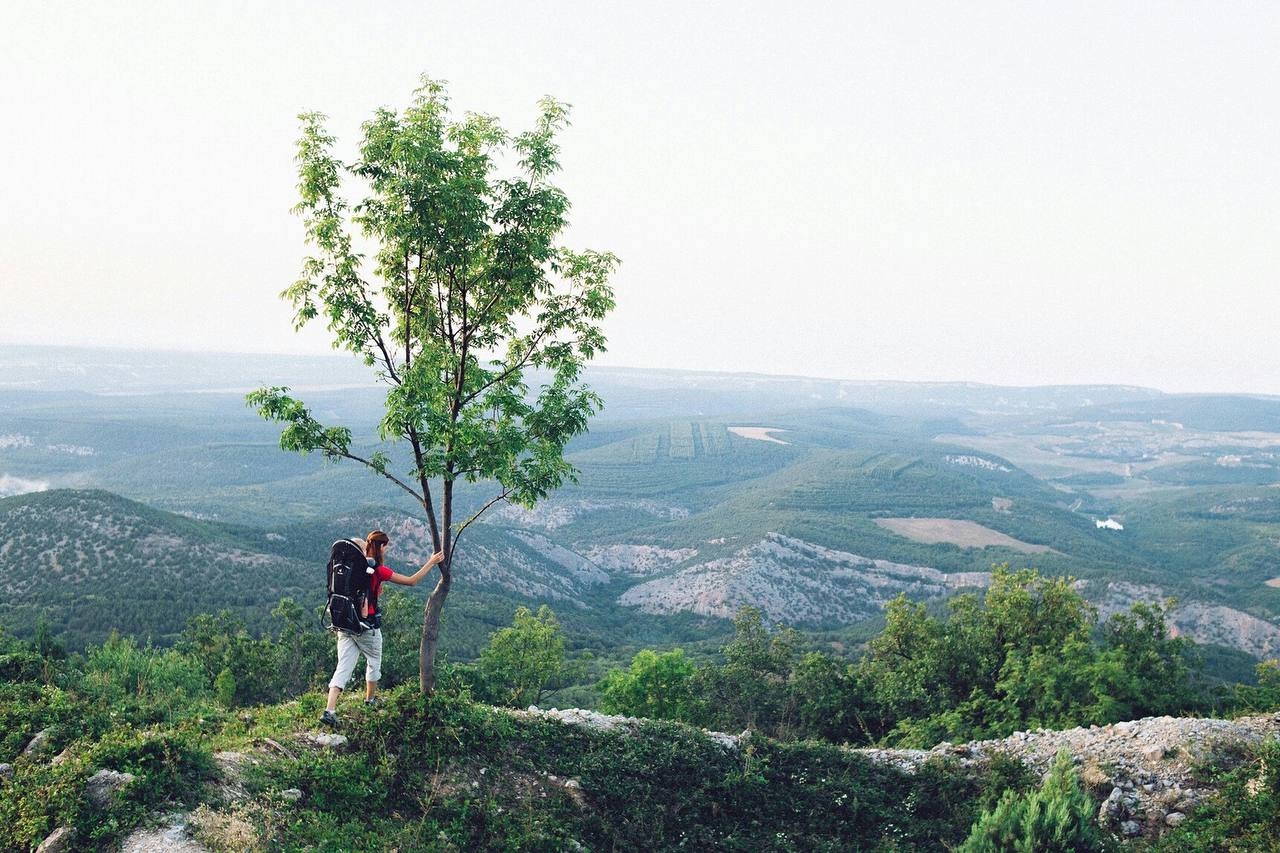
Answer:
[(1058, 818), (655, 686), (521, 660), (146, 684)]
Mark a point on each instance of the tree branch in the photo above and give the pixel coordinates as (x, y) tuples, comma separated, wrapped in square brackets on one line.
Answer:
[(416, 443), (502, 497), (368, 464), (505, 374)]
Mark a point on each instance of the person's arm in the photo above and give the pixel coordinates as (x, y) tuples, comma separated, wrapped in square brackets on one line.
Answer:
[(412, 580)]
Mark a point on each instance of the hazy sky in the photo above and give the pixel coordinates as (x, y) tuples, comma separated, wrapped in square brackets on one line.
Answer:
[(1020, 193)]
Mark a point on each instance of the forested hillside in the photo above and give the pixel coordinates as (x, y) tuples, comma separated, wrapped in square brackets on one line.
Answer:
[(216, 741)]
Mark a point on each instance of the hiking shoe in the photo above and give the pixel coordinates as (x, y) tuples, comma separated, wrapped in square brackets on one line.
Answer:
[(330, 719), (371, 703)]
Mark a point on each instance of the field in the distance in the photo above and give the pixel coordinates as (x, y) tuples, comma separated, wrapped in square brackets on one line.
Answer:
[(966, 534)]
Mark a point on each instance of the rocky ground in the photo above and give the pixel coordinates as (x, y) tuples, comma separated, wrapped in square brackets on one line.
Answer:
[(1147, 774)]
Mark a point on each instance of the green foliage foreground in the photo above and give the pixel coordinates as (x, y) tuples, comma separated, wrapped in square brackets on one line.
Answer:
[(1028, 654), (1058, 818), (447, 774)]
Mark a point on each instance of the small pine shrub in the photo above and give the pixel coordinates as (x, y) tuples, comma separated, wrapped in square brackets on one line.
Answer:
[(1057, 818)]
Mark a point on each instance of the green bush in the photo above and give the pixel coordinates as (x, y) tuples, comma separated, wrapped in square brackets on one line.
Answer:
[(1057, 818), (656, 686), (1023, 656), (522, 660), (145, 684)]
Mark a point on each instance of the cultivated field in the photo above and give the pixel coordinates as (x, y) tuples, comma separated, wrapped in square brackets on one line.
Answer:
[(966, 534)]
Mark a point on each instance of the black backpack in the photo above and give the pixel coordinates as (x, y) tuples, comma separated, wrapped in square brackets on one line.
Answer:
[(349, 588)]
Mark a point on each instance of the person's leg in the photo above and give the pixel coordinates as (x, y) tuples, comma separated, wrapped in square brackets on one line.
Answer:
[(347, 653), (372, 648)]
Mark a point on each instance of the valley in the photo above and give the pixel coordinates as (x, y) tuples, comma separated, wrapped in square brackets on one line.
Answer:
[(814, 500)]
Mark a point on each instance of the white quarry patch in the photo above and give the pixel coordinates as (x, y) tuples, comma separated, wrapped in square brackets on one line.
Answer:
[(1109, 524), (10, 486), (978, 462), (639, 560), (794, 581), (73, 449), (758, 433), (14, 439)]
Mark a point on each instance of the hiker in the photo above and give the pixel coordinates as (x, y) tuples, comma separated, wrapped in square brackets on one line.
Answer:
[(369, 643)]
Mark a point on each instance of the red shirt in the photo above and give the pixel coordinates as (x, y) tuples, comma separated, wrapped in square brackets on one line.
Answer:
[(380, 574)]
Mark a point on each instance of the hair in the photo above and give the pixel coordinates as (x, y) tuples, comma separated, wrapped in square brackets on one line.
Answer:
[(375, 542)]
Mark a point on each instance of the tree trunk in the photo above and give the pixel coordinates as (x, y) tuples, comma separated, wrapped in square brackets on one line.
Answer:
[(431, 631)]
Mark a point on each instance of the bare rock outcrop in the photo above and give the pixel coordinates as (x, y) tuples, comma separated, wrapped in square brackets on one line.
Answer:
[(1148, 773)]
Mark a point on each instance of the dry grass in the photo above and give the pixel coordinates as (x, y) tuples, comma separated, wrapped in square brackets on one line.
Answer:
[(966, 534), (228, 831)]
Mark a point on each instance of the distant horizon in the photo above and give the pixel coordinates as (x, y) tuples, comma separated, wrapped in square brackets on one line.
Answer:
[(351, 359), (1020, 195)]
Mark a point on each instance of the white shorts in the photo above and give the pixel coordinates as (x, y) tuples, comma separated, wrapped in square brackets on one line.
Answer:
[(350, 646)]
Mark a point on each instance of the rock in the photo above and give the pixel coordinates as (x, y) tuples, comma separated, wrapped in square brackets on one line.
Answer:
[(6, 772), (172, 838), (103, 785), (38, 744), (291, 794), (1131, 828), (1174, 818), (1153, 753), (62, 757), (325, 740), (57, 841), (572, 784)]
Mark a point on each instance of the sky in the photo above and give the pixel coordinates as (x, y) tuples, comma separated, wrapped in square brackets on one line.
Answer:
[(1008, 193)]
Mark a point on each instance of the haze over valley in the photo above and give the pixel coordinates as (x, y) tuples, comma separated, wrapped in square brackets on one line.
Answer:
[(814, 500)]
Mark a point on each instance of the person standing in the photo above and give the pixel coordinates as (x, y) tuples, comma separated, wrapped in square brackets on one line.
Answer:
[(369, 643)]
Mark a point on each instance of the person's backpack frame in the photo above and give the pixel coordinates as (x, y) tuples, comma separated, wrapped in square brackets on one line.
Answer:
[(349, 573)]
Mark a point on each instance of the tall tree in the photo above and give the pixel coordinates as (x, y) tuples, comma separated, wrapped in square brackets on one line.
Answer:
[(467, 298)]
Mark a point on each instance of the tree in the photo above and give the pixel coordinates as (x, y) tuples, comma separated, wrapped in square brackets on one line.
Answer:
[(522, 659), (752, 688), (467, 295), (655, 686)]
